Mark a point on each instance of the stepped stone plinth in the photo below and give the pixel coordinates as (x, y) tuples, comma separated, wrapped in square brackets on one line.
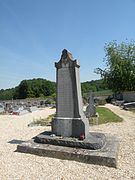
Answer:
[(69, 137)]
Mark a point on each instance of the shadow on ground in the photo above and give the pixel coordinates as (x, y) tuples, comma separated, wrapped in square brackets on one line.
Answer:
[(15, 141)]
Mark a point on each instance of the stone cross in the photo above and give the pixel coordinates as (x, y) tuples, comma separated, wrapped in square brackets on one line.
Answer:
[(70, 120)]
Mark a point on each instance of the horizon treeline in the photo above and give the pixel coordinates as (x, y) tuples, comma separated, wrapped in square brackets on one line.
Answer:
[(41, 88)]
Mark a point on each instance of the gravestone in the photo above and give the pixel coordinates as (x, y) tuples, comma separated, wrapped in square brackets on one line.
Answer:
[(70, 120), (70, 137), (91, 108), (1, 108)]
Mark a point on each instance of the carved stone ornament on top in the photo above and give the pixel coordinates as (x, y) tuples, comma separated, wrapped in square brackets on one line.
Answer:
[(66, 60)]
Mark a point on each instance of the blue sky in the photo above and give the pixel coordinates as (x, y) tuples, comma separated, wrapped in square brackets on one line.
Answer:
[(34, 32)]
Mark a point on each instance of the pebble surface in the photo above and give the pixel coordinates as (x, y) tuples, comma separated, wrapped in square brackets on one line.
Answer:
[(20, 166)]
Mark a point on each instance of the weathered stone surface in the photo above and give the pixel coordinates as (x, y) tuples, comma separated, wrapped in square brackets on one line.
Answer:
[(91, 108), (70, 138), (106, 156), (70, 120), (130, 105), (70, 127), (93, 141)]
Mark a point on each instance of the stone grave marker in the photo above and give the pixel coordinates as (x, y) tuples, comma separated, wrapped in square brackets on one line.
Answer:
[(70, 120), (69, 137), (91, 108)]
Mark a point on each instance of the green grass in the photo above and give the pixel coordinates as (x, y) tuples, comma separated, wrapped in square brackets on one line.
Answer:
[(132, 110), (103, 93), (105, 116), (42, 121)]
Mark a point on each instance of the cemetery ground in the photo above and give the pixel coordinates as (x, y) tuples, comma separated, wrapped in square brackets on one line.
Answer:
[(15, 165), (104, 115)]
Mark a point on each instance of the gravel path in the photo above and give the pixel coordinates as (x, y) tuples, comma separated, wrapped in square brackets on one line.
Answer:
[(14, 165)]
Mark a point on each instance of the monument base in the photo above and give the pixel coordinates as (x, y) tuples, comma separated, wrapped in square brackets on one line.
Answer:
[(93, 141), (106, 156), (70, 127)]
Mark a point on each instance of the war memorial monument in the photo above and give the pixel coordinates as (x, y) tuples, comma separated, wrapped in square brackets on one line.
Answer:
[(69, 137)]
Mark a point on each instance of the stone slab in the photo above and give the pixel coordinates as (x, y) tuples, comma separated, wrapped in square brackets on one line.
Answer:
[(106, 156), (93, 141)]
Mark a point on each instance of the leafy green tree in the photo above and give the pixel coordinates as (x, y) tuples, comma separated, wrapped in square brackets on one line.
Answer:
[(119, 74), (7, 94), (35, 88), (94, 85), (32, 88), (23, 90)]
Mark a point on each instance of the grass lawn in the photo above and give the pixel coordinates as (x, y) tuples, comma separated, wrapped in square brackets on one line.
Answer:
[(105, 116), (132, 110), (42, 121)]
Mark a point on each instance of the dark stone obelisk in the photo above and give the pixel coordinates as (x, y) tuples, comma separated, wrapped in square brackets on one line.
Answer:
[(70, 120)]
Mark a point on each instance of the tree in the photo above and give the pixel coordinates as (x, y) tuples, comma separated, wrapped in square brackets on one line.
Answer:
[(119, 74), (23, 90), (35, 88), (7, 94), (32, 88), (94, 85)]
